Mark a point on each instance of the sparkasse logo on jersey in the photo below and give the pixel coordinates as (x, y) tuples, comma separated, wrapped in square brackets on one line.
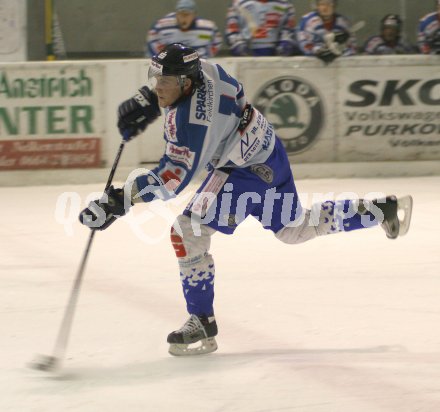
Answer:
[(294, 108)]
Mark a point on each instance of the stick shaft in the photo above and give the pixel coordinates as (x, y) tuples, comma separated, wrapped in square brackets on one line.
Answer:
[(66, 323), (357, 26), (115, 164)]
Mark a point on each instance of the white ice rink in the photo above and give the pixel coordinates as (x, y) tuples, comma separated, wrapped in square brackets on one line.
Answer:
[(344, 323)]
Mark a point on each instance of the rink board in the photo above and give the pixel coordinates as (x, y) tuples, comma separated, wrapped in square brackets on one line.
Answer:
[(357, 109)]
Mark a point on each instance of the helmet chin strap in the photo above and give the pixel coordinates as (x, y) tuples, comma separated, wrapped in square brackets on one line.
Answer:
[(181, 80), (183, 94)]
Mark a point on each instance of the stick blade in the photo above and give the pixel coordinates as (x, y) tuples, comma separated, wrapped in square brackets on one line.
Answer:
[(45, 363)]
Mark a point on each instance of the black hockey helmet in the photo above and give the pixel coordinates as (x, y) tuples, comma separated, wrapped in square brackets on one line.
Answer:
[(178, 60), (391, 20)]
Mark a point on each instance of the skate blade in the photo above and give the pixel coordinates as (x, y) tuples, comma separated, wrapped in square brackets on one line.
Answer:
[(404, 207), (183, 349)]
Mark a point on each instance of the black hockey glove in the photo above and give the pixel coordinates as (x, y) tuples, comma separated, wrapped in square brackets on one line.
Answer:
[(326, 55), (101, 213), (137, 113), (341, 37)]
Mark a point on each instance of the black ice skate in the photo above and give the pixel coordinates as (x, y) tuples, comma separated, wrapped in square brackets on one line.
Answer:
[(397, 214), (195, 330)]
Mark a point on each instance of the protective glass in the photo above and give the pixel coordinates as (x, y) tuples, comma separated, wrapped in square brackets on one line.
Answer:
[(157, 79), (165, 82)]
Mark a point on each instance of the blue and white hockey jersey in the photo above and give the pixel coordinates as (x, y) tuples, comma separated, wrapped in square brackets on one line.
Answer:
[(264, 26), (428, 34), (203, 35), (215, 127), (312, 31)]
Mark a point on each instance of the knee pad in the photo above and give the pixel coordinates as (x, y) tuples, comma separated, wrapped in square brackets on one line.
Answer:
[(301, 231), (190, 246), (323, 219)]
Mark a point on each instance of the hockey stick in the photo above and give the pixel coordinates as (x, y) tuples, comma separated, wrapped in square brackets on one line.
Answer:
[(252, 25), (51, 362), (357, 26)]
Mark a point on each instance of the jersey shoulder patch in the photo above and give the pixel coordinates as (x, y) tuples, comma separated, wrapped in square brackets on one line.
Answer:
[(171, 126)]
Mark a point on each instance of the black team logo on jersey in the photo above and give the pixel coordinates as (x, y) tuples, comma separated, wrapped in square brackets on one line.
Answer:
[(294, 108)]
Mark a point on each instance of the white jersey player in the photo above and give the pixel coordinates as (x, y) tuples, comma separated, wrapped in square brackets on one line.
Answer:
[(186, 27), (326, 34), (261, 28), (209, 123), (428, 34)]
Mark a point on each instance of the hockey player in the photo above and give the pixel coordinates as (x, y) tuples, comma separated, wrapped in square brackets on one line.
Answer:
[(428, 36), (261, 28), (185, 27), (324, 33), (389, 41), (210, 124)]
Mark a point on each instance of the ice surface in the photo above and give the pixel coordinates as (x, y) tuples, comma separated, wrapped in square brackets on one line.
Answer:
[(344, 323)]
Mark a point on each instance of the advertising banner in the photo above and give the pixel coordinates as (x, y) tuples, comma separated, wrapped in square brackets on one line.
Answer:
[(49, 153), (51, 116), (299, 101), (389, 113)]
